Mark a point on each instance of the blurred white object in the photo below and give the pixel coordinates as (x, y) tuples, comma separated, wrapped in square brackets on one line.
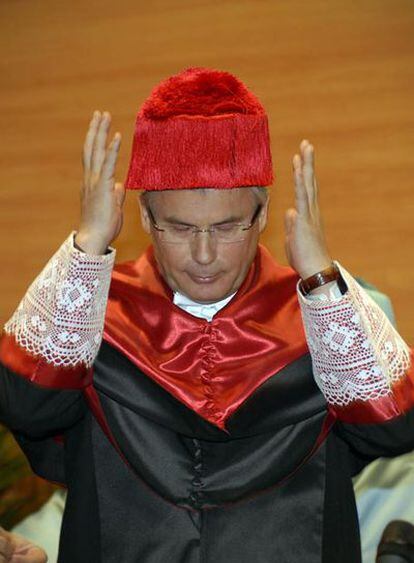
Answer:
[(384, 490), (43, 527)]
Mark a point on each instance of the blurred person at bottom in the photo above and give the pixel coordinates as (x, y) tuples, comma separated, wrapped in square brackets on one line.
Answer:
[(15, 548)]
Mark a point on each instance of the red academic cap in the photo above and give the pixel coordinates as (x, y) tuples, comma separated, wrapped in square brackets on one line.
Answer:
[(201, 128)]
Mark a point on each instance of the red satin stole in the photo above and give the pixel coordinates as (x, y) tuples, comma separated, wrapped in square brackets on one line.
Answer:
[(211, 367)]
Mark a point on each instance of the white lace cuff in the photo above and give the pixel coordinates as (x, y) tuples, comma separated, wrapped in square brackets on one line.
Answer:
[(62, 314), (356, 352)]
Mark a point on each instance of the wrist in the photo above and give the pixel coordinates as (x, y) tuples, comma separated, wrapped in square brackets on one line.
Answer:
[(317, 282), (312, 269), (89, 244), (324, 289)]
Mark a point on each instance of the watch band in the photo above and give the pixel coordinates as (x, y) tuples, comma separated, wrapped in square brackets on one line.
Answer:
[(327, 275)]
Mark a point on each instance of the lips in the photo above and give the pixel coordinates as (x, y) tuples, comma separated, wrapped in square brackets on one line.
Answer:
[(203, 279)]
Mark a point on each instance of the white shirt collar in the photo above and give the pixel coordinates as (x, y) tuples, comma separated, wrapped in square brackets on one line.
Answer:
[(202, 310)]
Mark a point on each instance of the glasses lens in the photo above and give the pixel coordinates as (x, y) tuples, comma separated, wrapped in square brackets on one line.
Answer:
[(176, 235), (234, 234), (184, 234)]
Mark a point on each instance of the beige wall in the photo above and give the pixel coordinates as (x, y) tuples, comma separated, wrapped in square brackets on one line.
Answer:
[(340, 73)]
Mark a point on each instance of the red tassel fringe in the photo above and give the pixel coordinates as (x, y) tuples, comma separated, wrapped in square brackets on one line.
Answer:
[(213, 152)]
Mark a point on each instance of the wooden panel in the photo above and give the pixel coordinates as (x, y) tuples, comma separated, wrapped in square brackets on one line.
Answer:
[(338, 73)]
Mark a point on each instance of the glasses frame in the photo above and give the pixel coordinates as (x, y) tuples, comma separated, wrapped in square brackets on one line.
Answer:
[(195, 230)]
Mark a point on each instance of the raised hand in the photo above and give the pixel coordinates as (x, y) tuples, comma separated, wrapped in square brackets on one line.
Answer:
[(305, 243), (102, 198)]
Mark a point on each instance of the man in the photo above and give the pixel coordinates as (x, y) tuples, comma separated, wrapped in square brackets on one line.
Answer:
[(195, 431)]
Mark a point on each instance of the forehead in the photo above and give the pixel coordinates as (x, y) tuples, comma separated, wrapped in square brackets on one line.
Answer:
[(201, 203)]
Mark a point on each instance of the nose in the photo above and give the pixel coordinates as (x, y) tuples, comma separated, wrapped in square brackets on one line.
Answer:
[(204, 248)]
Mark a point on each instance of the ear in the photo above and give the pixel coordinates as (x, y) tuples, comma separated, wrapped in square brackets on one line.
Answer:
[(145, 220), (263, 215)]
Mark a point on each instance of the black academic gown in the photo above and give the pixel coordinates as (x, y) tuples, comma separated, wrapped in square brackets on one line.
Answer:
[(154, 476)]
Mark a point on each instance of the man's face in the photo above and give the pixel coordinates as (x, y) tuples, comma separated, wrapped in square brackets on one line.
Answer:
[(204, 269)]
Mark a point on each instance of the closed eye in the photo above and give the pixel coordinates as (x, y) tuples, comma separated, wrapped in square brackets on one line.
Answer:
[(226, 227), (180, 228)]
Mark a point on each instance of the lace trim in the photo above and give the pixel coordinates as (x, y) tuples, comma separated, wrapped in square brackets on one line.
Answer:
[(356, 352), (62, 314)]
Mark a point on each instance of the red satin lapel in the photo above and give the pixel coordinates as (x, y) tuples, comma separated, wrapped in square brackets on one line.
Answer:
[(211, 367)]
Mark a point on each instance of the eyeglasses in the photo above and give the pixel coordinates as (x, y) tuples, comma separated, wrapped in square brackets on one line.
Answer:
[(226, 232)]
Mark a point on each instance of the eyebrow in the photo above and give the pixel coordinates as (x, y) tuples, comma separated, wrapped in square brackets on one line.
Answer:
[(233, 219)]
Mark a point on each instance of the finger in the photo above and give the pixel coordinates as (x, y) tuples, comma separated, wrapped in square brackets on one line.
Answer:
[(301, 196), (308, 164), (120, 192), (290, 218), (27, 552), (308, 155), (108, 167), (98, 150), (31, 554), (89, 140), (303, 144), (6, 546)]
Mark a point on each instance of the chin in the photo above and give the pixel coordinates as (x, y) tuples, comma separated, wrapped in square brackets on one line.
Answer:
[(205, 296), (205, 293)]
